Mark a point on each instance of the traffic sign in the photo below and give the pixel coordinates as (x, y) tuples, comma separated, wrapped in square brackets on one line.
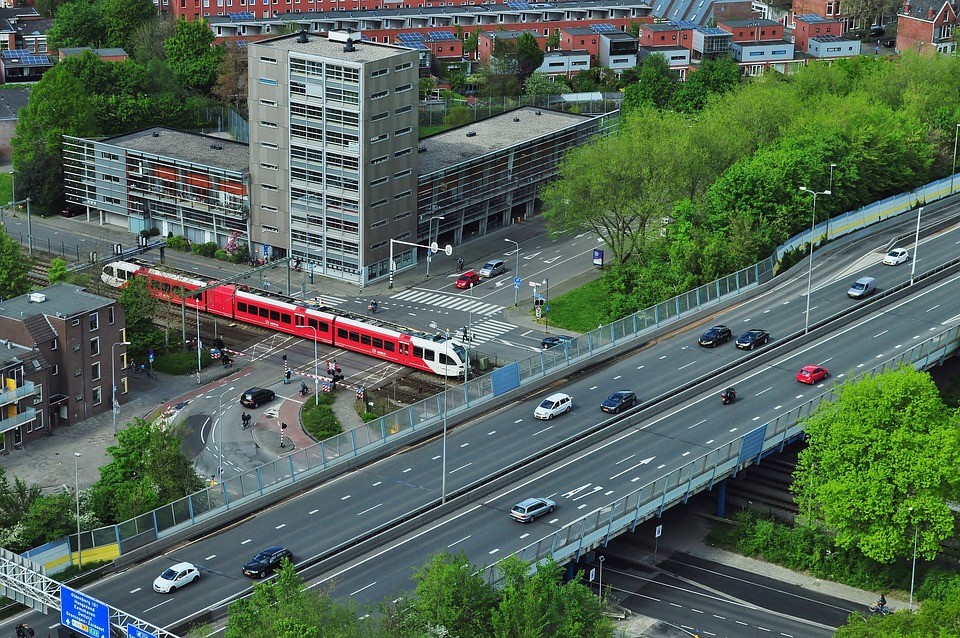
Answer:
[(266, 250), (84, 613), (538, 312), (516, 282), (135, 632), (150, 355)]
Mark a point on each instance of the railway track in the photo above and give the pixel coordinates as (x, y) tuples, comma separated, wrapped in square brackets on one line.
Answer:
[(767, 486)]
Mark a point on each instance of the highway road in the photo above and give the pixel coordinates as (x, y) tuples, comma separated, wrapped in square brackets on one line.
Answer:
[(586, 481)]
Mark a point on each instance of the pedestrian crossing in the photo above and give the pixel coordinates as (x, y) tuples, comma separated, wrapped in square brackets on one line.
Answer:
[(486, 331), (449, 302)]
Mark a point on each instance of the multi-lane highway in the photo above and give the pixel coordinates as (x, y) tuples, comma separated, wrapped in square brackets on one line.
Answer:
[(584, 482)]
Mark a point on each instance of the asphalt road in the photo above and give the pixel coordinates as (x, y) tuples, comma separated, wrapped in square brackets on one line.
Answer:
[(586, 481)]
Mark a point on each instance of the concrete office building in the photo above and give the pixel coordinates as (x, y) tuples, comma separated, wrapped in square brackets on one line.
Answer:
[(333, 151)]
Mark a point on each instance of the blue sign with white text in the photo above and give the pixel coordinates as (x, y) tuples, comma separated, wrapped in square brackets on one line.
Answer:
[(83, 613), (135, 632), (516, 282), (597, 257)]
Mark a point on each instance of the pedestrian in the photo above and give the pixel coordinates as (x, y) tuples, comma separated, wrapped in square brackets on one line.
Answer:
[(460, 263), (876, 50)]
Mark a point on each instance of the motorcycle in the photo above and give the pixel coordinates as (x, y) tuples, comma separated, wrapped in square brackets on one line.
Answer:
[(304, 390), (728, 396), (372, 308), (878, 608)]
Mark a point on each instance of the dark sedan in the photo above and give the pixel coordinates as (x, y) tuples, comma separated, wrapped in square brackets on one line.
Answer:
[(715, 336), (619, 401), (554, 340), (267, 561), (753, 338)]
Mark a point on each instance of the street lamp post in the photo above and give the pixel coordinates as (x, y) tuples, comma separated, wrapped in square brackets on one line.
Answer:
[(913, 569), (220, 425), (76, 478), (29, 223), (600, 588), (430, 239), (546, 305), (448, 250), (516, 289), (113, 378), (316, 369), (813, 225), (956, 135), (916, 246), (443, 462), (826, 234)]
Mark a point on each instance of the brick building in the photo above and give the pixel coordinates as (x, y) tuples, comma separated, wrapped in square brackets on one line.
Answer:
[(926, 26), (812, 25)]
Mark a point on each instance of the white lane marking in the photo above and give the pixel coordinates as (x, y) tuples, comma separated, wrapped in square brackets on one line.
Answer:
[(343, 498), (625, 460), (463, 445), (456, 542), (549, 427), (701, 422), (632, 467), (491, 432), (493, 551), (362, 588), (133, 591), (687, 365), (210, 557), (434, 458), (460, 468), (158, 605), (313, 511), (369, 509), (249, 540), (280, 526)]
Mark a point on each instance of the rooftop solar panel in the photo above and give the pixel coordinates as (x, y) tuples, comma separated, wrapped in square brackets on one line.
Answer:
[(518, 5), (442, 36), (603, 28)]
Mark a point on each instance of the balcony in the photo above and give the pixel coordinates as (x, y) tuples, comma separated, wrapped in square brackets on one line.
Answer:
[(16, 421), (12, 396)]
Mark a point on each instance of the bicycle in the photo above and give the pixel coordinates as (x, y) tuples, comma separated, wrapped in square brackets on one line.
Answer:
[(151, 374)]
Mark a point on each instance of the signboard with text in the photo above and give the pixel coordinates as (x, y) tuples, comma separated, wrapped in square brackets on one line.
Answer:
[(84, 614), (135, 632), (598, 257)]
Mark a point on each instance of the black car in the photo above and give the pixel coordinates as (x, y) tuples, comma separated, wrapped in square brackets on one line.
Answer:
[(268, 560), (554, 340), (753, 338), (254, 397), (619, 401), (72, 210), (715, 336)]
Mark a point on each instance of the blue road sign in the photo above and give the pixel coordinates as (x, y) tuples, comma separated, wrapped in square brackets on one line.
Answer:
[(150, 355), (516, 282), (597, 257), (136, 632), (266, 250), (83, 613), (547, 308)]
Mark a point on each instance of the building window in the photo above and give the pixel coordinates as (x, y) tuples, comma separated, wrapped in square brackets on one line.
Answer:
[(269, 167), (270, 103), (268, 187), (379, 94), (268, 82), (94, 346), (268, 209), (404, 131), (379, 181), (266, 124), (97, 396), (402, 67), (378, 138), (380, 116), (110, 315), (379, 72), (402, 195), (377, 203), (378, 224), (403, 109), (95, 371), (94, 321), (403, 152), (55, 344), (268, 60), (53, 371), (403, 215), (378, 160), (403, 88), (400, 174), (269, 145)]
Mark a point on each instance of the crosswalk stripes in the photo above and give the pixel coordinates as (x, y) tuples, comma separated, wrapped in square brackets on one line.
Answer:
[(327, 300), (450, 302), (488, 330)]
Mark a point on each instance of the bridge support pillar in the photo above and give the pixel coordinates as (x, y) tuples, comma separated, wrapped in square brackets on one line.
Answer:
[(571, 571), (721, 492)]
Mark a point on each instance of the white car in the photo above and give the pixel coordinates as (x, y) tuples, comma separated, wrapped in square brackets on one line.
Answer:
[(896, 256), (175, 577), (554, 405)]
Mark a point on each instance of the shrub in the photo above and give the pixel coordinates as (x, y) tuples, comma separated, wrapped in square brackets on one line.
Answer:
[(222, 255), (206, 249), (180, 362), (178, 242), (319, 420)]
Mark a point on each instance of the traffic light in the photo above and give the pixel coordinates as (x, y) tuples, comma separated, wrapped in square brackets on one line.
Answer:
[(538, 302)]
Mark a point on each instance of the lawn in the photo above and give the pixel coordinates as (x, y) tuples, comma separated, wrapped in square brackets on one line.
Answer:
[(579, 310)]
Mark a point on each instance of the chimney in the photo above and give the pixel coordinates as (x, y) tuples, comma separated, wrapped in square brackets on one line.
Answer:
[(930, 13), (906, 6)]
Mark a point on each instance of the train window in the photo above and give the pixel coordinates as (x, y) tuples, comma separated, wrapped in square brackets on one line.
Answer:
[(324, 326), (241, 307), (341, 333), (264, 312), (284, 318), (311, 322), (417, 352), (388, 346), (445, 359), (354, 336), (429, 355), (275, 315), (365, 340), (377, 343)]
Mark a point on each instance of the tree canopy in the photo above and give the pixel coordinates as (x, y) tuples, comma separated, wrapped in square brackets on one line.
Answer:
[(191, 55), (882, 464), (13, 268)]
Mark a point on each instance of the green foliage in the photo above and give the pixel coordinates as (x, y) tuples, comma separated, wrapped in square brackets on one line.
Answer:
[(192, 56), (58, 271), (426, 85), (139, 309), (77, 24), (148, 470), (49, 518), (178, 242), (580, 309), (539, 84), (319, 421), (935, 618), (14, 268), (529, 56), (222, 255), (472, 43), (205, 249), (712, 78), (654, 86), (882, 463), (15, 499), (458, 116), (123, 17), (179, 362)]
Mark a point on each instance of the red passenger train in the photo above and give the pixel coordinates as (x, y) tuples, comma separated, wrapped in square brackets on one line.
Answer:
[(366, 335)]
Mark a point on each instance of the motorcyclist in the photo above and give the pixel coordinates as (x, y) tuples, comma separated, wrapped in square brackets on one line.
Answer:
[(882, 603), (729, 395), (373, 306), (460, 263), (303, 388)]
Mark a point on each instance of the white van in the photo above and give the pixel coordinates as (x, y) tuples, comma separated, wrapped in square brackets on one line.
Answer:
[(862, 287), (553, 405)]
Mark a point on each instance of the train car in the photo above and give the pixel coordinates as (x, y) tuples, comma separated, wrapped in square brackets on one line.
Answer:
[(306, 319)]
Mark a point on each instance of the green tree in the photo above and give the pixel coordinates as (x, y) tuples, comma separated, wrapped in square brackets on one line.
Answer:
[(123, 18), (654, 87), (139, 309), (529, 56), (14, 268), (712, 77), (541, 605), (231, 86), (58, 271), (78, 24), (472, 43), (503, 60), (15, 499), (539, 85), (191, 55), (458, 116), (148, 38), (934, 618), (49, 518), (882, 463), (59, 105), (147, 470), (553, 40)]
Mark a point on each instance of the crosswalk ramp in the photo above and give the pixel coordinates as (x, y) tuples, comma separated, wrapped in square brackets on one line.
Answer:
[(488, 330), (447, 301)]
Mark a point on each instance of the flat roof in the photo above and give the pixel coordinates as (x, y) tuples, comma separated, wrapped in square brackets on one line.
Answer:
[(323, 46), (188, 147), (813, 18), (833, 38), (65, 299), (452, 147), (756, 22)]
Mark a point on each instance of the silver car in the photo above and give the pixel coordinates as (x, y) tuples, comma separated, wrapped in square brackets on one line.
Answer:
[(528, 509), (491, 268)]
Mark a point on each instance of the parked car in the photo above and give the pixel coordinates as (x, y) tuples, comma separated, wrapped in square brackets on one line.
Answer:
[(175, 577), (492, 268), (753, 338), (72, 210), (530, 508), (266, 561), (255, 397), (554, 405), (862, 287), (715, 336), (468, 279), (618, 401), (811, 374), (896, 256), (554, 340)]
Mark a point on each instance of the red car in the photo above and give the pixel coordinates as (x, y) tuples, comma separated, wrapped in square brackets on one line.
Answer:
[(468, 279), (811, 374)]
